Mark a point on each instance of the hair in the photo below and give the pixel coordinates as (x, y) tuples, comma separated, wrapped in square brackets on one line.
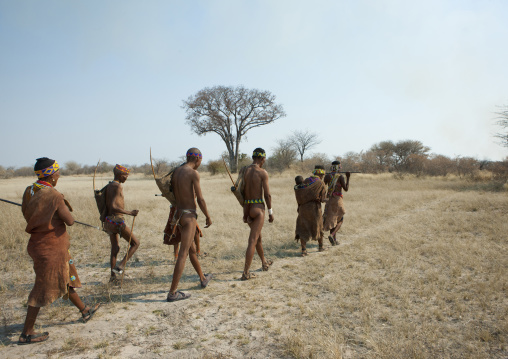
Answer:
[(299, 179), (319, 167), (196, 154), (259, 149), (42, 163), (335, 163)]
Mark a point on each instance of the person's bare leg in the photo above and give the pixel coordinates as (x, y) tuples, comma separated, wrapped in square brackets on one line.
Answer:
[(31, 316), (259, 249), (76, 300), (126, 234), (188, 223), (320, 243), (115, 248), (336, 229), (193, 256), (196, 241), (261, 253), (258, 216), (176, 249), (304, 247)]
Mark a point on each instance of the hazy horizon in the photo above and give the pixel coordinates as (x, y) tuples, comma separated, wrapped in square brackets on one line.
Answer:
[(83, 81)]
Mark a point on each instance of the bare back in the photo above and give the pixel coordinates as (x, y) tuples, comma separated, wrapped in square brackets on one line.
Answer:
[(184, 182), (254, 178)]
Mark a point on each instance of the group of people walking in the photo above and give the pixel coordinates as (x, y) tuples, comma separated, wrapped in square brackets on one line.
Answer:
[(310, 193), (48, 213)]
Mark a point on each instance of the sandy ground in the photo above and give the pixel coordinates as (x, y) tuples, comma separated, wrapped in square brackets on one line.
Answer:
[(395, 287)]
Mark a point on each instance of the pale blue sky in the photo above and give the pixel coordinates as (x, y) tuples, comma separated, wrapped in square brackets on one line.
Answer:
[(83, 80)]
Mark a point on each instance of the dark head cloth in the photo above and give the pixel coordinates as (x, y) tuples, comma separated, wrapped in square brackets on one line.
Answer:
[(43, 163)]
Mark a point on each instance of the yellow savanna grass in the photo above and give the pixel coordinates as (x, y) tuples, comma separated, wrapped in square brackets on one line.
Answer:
[(420, 272)]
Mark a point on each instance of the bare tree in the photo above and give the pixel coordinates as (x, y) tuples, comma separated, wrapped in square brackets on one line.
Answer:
[(230, 113), (304, 141), (503, 122), (284, 154)]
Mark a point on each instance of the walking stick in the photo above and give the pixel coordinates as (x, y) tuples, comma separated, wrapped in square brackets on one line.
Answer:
[(128, 249)]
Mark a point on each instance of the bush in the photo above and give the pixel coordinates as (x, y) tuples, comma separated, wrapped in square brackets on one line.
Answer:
[(439, 165), (215, 167)]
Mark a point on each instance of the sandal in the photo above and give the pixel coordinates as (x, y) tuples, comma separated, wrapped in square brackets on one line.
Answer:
[(29, 339), (304, 253), (177, 296), (332, 240), (248, 276), (321, 249), (89, 314), (208, 278), (269, 262)]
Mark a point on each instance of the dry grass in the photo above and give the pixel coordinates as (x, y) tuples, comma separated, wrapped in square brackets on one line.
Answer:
[(421, 272)]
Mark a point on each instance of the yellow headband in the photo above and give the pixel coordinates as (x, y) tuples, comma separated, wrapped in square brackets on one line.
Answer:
[(318, 171), (47, 171)]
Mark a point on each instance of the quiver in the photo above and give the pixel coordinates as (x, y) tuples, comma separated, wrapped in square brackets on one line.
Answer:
[(239, 188)]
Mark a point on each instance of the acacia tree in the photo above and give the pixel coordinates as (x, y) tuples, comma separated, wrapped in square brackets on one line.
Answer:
[(503, 122), (230, 112), (384, 154), (404, 149), (304, 141)]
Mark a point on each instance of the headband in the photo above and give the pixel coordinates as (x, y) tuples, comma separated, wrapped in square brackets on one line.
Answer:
[(318, 171), (48, 171), (122, 169), (258, 154), (192, 154)]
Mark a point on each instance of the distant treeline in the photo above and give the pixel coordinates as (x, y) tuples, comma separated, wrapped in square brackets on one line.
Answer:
[(403, 157)]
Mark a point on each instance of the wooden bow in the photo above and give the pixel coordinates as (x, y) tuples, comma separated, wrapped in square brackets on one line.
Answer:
[(151, 163), (94, 173)]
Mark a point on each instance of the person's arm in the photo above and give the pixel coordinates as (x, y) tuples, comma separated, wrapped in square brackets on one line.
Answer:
[(65, 214), (341, 181), (266, 193), (115, 192), (200, 200)]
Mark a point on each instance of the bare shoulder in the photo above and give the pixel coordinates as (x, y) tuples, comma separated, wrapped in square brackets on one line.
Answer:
[(114, 187)]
